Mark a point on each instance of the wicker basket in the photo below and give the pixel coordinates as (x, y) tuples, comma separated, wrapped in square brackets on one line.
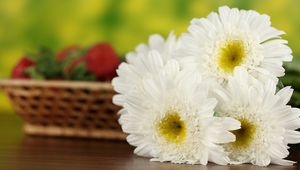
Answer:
[(64, 108)]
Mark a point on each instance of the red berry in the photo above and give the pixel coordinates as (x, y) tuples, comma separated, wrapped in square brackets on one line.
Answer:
[(66, 51), (19, 70), (75, 61), (103, 61), (68, 69)]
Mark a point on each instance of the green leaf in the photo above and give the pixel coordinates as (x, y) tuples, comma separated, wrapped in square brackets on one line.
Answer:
[(70, 60), (279, 85), (293, 66), (32, 72), (291, 80), (80, 73), (216, 114), (47, 65), (295, 100)]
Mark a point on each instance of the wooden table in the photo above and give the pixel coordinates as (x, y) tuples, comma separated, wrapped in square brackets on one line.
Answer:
[(18, 152)]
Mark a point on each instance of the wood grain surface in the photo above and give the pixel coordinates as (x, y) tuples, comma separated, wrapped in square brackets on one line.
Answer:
[(20, 152)]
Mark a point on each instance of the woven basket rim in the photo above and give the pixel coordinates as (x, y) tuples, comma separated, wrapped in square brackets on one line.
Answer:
[(55, 83)]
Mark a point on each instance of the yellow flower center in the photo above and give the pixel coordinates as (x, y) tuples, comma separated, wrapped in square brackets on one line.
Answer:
[(172, 128), (244, 135), (231, 54)]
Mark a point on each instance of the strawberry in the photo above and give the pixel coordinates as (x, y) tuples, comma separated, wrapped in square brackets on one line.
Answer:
[(73, 64), (70, 65), (67, 51), (103, 61), (19, 71)]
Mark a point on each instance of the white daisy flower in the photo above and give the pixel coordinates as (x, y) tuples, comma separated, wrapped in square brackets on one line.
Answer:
[(235, 38), (172, 120), (145, 62), (268, 124)]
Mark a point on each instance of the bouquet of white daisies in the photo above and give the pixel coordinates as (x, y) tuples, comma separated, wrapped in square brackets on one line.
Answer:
[(210, 95)]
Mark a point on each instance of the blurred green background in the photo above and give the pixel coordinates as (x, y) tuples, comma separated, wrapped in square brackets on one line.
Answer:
[(26, 25)]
